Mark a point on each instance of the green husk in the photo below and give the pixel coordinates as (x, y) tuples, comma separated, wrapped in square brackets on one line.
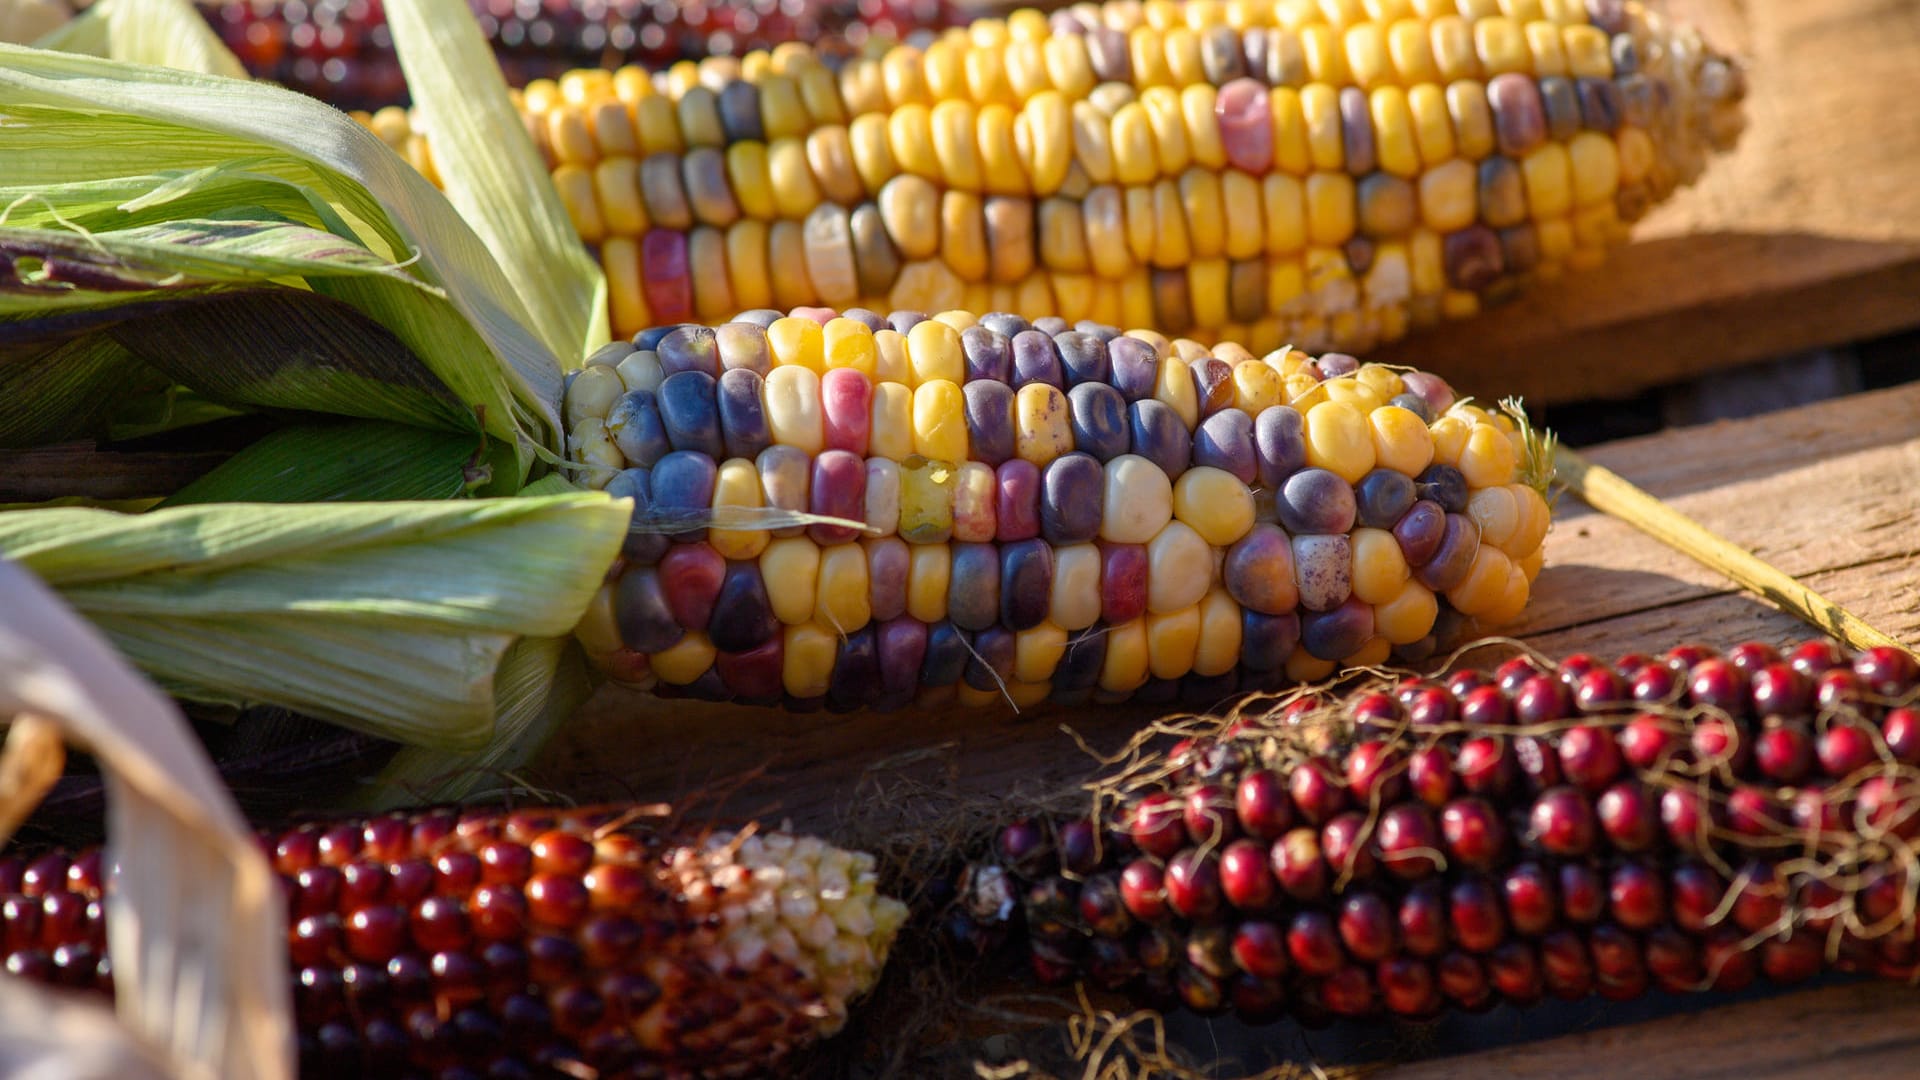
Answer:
[(386, 617), (539, 684), (241, 248)]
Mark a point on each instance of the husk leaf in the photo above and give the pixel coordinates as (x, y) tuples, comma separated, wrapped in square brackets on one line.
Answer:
[(195, 922)]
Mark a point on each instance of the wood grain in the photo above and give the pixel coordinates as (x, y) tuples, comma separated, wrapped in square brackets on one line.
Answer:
[(1807, 234), (1860, 1030)]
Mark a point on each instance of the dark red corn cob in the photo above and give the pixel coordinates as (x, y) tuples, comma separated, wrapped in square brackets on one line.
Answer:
[(342, 52), (532, 942), (1691, 822)]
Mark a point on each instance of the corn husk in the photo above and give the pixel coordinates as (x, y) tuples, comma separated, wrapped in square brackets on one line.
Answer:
[(195, 924), (181, 245), (386, 617)]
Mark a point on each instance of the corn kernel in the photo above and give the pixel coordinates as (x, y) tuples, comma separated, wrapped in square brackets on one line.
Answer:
[(1407, 617), (1037, 651), (790, 566), (1075, 592), (1401, 440), (1124, 667), (684, 661), (1340, 440), (1173, 637), (1180, 568), (1485, 584), (939, 421), (1218, 649), (1487, 459), (807, 656), (1450, 438), (1214, 503), (843, 597), (926, 500)]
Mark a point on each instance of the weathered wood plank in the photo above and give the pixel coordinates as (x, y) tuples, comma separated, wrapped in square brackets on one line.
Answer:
[(1807, 234), (1858, 1030)]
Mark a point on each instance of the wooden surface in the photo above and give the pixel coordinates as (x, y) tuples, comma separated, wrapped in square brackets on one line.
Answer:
[(1866, 1029), (1829, 492), (1807, 234)]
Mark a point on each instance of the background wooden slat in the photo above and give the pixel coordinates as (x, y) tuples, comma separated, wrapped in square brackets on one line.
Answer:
[(1808, 234)]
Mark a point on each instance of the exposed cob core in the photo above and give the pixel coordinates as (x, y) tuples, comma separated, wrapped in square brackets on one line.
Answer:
[(1049, 512), (537, 942), (1688, 822), (1290, 172)]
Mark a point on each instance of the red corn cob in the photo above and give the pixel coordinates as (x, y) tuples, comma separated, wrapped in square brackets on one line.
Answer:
[(341, 51), (536, 942), (1693, 822)]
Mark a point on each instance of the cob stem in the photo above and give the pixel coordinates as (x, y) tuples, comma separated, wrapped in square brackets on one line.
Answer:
[(1610, 493)]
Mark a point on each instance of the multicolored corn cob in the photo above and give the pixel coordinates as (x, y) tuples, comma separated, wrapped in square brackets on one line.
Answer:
[(1689, 822), (1321, 174), (341, 52), (1050, 512), (536, 942)]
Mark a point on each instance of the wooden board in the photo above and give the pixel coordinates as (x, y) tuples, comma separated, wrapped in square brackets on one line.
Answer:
[(1807, 234), (1830, 492)]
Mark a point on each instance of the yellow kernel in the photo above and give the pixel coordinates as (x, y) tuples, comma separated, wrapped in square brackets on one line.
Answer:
[(1256, 386), (790, 566), (1173, 637), (1485, 584), (1218, 650), (1037, 651), (1215, 503), (940, 421), (1176, 390), (890, 432), (1380, 569), (1304, 667), (806, 663), (1450, 438), (685, 660), (1180, 568), (929, 574), (934, 351), (1407, 617), (1339, 440), (1124, 668), (1042, 424), (844, 598), (737, 484), (1488, 458), (1401, 440)]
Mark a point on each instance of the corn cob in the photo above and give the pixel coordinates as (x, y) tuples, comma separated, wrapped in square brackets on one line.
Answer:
[(1050, 512), (537, 942), (341, 52), (1280, 172), (1688, 822)]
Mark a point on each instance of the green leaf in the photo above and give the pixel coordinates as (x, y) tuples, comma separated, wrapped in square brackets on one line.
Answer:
[(168, 33), (78, 118), (386, 617), (539, 686), (491, 170), (67, 390), (357, 462)]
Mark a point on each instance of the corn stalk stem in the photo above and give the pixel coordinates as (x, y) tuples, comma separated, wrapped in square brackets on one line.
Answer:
[(1610, 493)]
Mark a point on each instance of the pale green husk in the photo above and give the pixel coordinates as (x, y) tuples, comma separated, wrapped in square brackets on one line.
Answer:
[(225, 246), (386, 617)]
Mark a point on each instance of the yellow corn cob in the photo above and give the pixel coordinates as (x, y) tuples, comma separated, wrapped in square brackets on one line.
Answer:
[(1047, 512), (1283, 171)]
